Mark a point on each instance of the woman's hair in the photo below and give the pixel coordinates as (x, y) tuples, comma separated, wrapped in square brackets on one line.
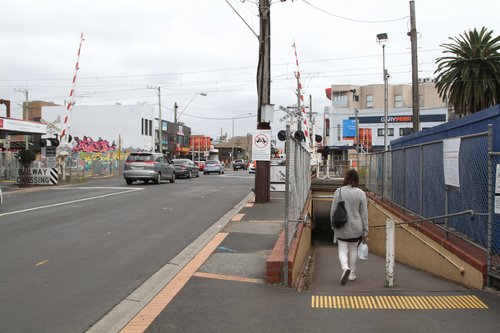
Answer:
[(351, 178)]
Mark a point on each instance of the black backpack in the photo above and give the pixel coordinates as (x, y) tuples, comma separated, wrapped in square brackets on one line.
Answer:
[(339, 217)]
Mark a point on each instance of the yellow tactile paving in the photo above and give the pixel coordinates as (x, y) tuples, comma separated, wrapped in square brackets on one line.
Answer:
[(228, 277), (398, 302), (146, 316)]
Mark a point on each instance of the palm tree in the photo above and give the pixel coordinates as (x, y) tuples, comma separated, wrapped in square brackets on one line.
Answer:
[(469, 76)]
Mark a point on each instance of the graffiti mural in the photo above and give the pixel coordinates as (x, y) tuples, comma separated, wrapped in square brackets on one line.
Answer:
[(90, 146)]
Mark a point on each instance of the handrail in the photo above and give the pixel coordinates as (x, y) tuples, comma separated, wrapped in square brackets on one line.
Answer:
[(470, 211)]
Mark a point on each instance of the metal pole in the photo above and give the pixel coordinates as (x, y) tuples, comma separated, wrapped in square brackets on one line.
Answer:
[(421, 185), (160, 121), (175, 129), (386, 111), (357, 139), (287, 202), (232, 147), (390, 253)]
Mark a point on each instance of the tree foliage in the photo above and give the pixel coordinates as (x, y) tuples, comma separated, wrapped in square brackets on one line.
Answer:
[(469, 73)]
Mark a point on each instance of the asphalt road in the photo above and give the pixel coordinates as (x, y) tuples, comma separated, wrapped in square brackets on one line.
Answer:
[(69, 254)]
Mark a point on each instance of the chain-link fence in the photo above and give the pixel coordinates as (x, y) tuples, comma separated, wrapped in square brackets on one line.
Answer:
[(414, 178), (77, 169), (297, 187), (9, 165)]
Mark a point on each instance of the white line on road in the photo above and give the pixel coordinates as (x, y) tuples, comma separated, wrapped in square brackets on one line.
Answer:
[(70, 202)]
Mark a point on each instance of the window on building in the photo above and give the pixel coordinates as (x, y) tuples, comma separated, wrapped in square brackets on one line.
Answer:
[(142, 126), (340, 101), (405, 131), (390, 132), (150, 127), (338, 132), (398, 101), (369, 101)]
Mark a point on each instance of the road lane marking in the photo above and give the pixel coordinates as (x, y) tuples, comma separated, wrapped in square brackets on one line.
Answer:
[(398, 302), (69, 202), (147, 315), (42, 263)]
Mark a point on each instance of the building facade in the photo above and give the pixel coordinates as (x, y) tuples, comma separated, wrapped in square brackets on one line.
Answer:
[(128, 126), (356, 117)]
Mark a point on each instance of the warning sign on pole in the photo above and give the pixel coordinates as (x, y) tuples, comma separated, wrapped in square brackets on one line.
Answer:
[(261, 145)]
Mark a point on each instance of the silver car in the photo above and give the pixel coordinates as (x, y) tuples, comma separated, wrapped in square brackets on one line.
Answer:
[(148, 166), (213, 166)]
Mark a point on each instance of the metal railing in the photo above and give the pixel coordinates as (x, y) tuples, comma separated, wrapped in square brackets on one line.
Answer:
[(297, 187)]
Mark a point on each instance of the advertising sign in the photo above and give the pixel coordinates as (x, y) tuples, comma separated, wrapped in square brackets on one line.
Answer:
[(349, 128)]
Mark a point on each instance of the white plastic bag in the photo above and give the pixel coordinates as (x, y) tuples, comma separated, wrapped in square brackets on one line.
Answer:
[(363, 251)]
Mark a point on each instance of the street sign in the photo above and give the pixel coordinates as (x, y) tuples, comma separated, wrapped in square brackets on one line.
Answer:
[(50, 156), (39, 176), (261, 145)]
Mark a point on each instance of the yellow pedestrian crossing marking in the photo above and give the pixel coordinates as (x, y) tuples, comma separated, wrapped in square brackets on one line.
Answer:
[(398, 302)]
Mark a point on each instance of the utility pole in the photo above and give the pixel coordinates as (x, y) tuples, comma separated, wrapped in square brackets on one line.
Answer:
[(263, 174), (414, 68)]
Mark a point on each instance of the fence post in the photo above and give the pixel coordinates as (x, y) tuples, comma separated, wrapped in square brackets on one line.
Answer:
[(421, 185), (490, 206), (404, 177), (287, 203), (389, 253), (446, 209)]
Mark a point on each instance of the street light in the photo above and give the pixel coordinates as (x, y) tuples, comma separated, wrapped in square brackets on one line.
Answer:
[(382, 39), (182, 112)]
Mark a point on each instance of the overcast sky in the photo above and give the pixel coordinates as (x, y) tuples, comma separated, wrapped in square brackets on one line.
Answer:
[(192, 46)]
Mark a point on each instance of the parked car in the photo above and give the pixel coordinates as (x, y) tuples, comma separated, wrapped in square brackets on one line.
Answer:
[(200, 164), (239, 164), (185, 168), (146, 166), (213, 166), (252, 166)]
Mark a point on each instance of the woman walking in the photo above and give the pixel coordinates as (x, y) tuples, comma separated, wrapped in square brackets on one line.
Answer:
[(355, 230)]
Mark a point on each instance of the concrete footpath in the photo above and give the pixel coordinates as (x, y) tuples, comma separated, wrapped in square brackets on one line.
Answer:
[(223, 289), (217, 284)]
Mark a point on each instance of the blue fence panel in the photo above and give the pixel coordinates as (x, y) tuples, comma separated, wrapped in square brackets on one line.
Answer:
[(412, 181), (473, 191), (433, 181), (398, 177)]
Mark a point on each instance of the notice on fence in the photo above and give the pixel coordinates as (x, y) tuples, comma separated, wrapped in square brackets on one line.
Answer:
[(451, 149), (497, 190)]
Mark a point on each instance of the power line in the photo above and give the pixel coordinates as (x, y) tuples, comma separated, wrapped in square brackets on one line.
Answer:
[(354, 20)]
